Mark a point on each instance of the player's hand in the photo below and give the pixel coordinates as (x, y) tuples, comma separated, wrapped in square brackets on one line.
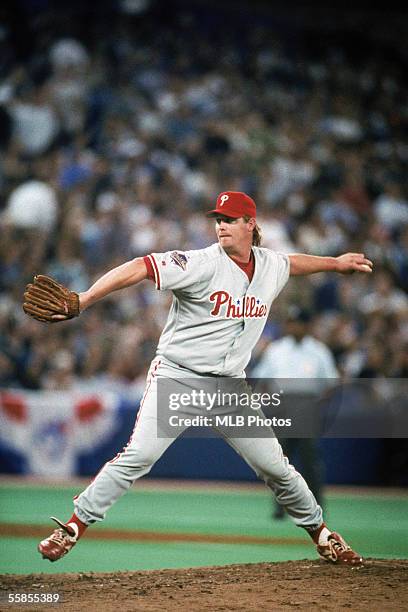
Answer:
[(353, 262), (47, 301)]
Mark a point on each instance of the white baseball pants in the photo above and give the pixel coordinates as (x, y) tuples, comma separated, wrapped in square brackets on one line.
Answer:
[(264, 455)]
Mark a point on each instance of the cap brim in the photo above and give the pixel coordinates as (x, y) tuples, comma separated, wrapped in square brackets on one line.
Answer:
[(215, 212)]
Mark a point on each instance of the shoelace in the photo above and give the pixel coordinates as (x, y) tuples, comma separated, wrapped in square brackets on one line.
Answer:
[(59, 536), (337, 547)]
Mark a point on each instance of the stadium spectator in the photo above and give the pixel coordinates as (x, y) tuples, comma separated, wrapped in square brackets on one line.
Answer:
[(131, 127)]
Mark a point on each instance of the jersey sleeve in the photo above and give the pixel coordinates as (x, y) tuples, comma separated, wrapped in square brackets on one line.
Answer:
[(176, 270), (281, 269)]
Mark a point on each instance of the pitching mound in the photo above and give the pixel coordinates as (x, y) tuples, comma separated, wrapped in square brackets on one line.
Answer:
[(305, 585)]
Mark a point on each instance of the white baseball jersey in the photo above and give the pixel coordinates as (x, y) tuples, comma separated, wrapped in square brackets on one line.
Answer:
[(217, 315)]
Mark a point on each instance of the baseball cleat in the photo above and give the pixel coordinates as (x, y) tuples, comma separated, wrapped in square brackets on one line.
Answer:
[(338, 551), (60, 542)]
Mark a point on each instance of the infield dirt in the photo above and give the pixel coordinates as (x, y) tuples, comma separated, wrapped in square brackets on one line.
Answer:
[(302, 585)]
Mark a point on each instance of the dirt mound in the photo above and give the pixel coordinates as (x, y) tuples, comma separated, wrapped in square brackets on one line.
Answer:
[(305, 585)]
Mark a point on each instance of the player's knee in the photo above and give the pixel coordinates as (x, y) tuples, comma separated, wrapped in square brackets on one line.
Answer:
[(136, 459), (277, 471)]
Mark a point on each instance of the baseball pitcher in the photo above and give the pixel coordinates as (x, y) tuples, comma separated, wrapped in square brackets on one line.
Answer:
[(221, 299)]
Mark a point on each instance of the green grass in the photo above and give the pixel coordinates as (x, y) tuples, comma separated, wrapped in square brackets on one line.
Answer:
[(376, 526), (21, 556)]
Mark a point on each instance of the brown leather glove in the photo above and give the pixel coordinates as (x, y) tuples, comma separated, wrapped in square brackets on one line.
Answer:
[(48, 301)]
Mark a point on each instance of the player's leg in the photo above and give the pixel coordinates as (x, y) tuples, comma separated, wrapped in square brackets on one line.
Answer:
[(307, 451), (135, 461), (288, 448), (144, 448), (266, 458)]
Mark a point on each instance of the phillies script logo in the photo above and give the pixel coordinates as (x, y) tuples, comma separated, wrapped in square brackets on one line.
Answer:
[(249, 307)]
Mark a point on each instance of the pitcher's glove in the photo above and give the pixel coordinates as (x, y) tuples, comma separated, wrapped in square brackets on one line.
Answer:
[(48, 301)]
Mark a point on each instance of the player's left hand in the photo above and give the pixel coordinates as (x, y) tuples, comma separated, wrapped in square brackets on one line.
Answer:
[(50, 302), (353, 262)]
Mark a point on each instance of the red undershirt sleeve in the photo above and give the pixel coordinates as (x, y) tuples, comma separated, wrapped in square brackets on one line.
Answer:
[(149, 267)]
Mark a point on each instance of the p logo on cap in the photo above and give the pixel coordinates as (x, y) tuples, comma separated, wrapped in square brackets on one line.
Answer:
[(234, 204)]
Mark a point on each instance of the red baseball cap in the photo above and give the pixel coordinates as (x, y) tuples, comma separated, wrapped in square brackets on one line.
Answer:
[(234, 204)]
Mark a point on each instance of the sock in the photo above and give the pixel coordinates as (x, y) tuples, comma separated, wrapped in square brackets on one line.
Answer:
[(320, 535), (75, 522)]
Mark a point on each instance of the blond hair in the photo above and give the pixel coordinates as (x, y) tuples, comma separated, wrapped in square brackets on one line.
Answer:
[(257, 233)]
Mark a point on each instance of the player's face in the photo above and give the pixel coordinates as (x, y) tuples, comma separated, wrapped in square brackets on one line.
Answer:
[(232, 234)]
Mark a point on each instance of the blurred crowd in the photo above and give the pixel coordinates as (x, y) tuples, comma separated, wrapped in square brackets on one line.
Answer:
[(113, 144)]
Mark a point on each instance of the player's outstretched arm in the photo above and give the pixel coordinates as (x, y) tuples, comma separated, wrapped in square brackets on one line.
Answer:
[(125, 275), (47, 300), (301, 264)]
